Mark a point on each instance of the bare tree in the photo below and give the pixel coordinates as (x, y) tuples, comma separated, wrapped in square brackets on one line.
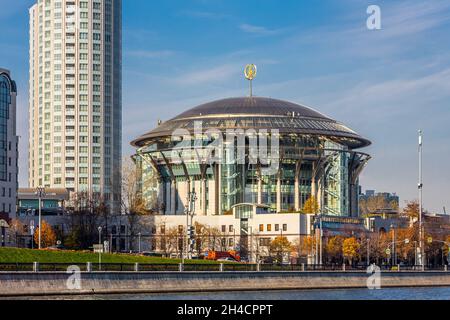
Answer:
[(89, 212), (134, 204)]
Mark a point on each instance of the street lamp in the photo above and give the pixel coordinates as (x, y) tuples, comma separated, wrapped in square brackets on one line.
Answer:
[(189, 211), (32, 236), (40, 192), (99, 248), (139, 235), (393, 245), (368, 251), (420, 186)]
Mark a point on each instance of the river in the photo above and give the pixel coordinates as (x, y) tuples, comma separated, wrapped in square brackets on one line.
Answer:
[(435, 293)]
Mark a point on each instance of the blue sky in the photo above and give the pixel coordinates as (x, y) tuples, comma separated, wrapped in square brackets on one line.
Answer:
[(385, 84)]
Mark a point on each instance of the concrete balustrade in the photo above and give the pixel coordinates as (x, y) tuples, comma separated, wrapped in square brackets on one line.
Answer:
[(55, 283)]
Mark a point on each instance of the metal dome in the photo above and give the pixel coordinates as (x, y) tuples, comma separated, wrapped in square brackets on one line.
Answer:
[(257, 113)]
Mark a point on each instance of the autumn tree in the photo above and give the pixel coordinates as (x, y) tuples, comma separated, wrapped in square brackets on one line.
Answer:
[(48, 236), (311, 206), (279, 247), (350, 249), (411, 210), (17, 229), (175, 240), (307, 245), (378, 202), (333, 248), (207, 237)]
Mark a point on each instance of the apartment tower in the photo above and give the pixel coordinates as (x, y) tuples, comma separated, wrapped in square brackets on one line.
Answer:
[(76, 96)]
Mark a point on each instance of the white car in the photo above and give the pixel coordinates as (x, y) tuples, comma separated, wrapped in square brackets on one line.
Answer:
[(227, 259)]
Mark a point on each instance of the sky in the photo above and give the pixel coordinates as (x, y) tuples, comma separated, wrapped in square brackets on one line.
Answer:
[(385, 84)]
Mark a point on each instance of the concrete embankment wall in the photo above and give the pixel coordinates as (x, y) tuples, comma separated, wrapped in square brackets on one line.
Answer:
[(54, 283)]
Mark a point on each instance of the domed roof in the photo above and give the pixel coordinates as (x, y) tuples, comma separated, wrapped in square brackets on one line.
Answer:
[(253, 105), (257, 113)]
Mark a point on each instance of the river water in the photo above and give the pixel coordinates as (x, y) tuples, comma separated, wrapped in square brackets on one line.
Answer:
[(436, 293)]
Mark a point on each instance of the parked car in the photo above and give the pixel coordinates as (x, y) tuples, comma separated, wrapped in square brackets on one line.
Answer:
[(227, 259)]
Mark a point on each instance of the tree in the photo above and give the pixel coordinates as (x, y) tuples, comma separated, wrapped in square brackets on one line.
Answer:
[(411, 210), (280, 246), (207, 237), (48, 236), (134, 204), (311, 206), (89, 212), (17, 228), (374, 203), (333, 248), (350, 249)]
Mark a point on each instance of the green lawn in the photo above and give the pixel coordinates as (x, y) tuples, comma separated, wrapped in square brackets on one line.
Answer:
[(13, 255)]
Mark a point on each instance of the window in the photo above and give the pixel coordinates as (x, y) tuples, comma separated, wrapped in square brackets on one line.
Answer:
[(230, 228), (284, 227), (277, 227), (224, 228), (5, 100), (269, 227), (261, 228)]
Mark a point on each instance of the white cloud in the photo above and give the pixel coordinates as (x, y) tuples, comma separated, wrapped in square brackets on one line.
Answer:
[(258, 30)]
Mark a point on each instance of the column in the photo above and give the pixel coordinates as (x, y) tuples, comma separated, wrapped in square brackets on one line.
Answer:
[(260, 187), (160, 195), (168, 193), (204, 193), (297, 186), (319, 193), (313, 181), (173, 197), (279, 192), (219, 190)]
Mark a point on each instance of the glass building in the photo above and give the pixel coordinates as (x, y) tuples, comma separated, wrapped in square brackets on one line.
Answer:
[(307, 155), (8, 145)]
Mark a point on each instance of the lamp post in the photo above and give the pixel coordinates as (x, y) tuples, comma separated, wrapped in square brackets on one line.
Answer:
[(320, 239), (393, 245), (189, 210), (32, 237), (139, 236), (368, 251), (40, 192), (420, 185), (99, 250)]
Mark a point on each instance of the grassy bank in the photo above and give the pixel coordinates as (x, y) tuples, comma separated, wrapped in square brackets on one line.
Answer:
[(14, 255)]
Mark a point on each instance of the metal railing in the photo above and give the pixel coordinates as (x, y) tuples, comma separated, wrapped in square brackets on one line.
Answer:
[(227, 267)]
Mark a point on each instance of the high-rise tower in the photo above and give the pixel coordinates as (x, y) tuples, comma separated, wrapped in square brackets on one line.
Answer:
[(76, 96), (8, 145)]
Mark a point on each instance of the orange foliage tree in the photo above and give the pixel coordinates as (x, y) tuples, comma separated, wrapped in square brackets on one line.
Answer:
[(350, 249), (48, 236)]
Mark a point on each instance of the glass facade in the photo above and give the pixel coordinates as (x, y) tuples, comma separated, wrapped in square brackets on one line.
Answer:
[(312, 166), (5, 101)]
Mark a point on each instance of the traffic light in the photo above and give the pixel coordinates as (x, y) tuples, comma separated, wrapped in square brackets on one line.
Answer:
[(191, 238), (191, 232)]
